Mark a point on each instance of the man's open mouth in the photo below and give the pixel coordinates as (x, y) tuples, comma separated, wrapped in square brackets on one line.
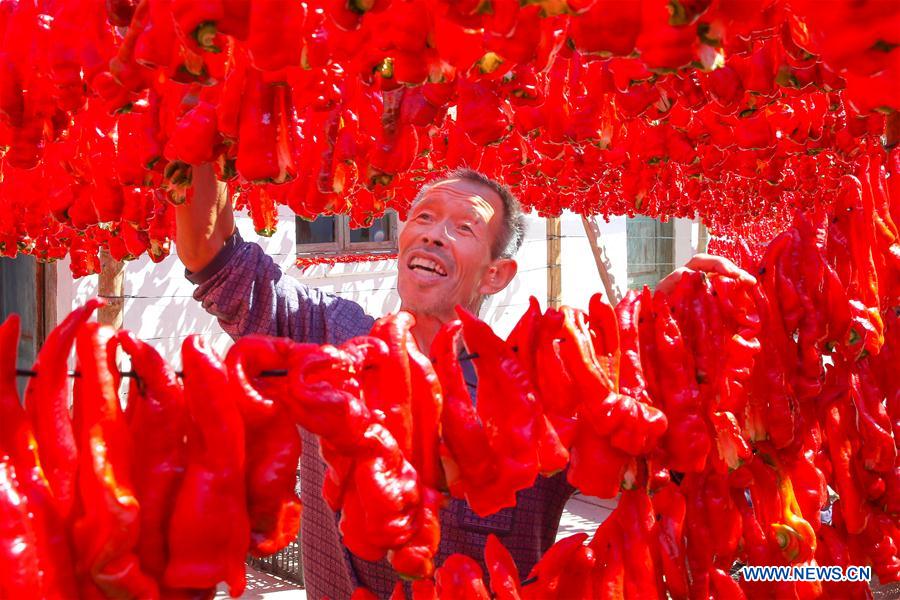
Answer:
[(426, 265)]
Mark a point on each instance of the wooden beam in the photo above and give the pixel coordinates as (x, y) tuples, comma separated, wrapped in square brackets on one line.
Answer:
[(598, 249), (554, 265), (111, 286)]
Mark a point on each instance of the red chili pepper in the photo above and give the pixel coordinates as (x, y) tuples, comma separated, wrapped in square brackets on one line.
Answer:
[(634, 427), (669, 505), (559, 394), (106, 528), (384, 499), (852, 232), (157, 421), (609, 569), (12, 100), (388, 386), (325, 397), (723, 586), (809, 485), (396, 143), (18, 546), (837, 423), (263, 210), (426, 416), (596, 467), (47, 402), (209, 529), (65, 56), (363, 594), (275, 28), (424, 589), (577, 351), (504, 575), (479, 112), (123, 66), (119, 12), (52, 571), (687, 440), (460, 578), (197, 20), (699, 529), (470, 464), (273, 443), (552, 570), (832, 550), (605, 335), (637, 518), (505, 402), (264, 152), (154, 47), (161, 230), (195, 138), (775, 505), (228, 109), (878, 450), (881, 538), (553, 456), (415, 558), (605, 27), (772, 410), (523, 337)]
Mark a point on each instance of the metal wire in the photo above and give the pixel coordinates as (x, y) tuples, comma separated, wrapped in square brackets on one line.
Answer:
[(271, 373), (30, 373)]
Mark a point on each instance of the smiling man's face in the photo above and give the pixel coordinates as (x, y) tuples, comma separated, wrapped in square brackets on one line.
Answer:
[(445, 249)]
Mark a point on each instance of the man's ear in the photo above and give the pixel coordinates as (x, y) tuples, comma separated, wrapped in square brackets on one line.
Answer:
[(498, 276)]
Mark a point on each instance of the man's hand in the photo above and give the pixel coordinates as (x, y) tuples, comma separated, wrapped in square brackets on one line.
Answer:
[(706, 263), (204, 223)]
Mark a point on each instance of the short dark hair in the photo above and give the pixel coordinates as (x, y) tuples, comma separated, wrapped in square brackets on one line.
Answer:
[(513, 231)]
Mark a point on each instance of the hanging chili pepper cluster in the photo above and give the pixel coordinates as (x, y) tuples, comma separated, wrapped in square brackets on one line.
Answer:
[(737, 423), (729, 111), (305, 262), (164, 499), (748, 424)]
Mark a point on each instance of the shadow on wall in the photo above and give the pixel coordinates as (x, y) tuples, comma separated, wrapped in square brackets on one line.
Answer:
[(372, 285)]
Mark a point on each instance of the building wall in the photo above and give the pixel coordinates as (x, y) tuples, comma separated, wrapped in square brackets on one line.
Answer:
[(159, 306), (580, 278)]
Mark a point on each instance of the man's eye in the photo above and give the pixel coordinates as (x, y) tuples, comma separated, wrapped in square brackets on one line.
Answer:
[(466, 228), (423, 217)]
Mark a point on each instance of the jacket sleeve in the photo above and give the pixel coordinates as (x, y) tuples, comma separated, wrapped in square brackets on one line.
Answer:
[(248, 293)]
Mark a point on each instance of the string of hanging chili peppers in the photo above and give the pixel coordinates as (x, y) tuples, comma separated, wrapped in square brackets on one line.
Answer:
[(666, 109), (681, 404)]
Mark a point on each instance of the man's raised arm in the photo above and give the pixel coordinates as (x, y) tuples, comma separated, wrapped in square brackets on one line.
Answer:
[(240, 285), (203, 224)]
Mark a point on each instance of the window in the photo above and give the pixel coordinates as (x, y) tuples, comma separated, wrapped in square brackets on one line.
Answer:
[(333, 235), (651, 251)]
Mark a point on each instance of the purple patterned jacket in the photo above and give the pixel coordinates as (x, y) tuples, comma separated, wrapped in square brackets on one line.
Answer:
[(248, 293)]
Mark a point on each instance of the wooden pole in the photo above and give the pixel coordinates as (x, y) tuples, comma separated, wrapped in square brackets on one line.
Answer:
[(702, 238), (112, 288), (892, 130), (554, 265), (598, 249)]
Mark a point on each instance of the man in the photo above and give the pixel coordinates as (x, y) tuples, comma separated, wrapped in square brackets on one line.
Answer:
[(456, 247)]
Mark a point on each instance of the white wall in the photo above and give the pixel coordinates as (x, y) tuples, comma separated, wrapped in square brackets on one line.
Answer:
[(580, 278), (503, 310), (160, 309), (685, 240)]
